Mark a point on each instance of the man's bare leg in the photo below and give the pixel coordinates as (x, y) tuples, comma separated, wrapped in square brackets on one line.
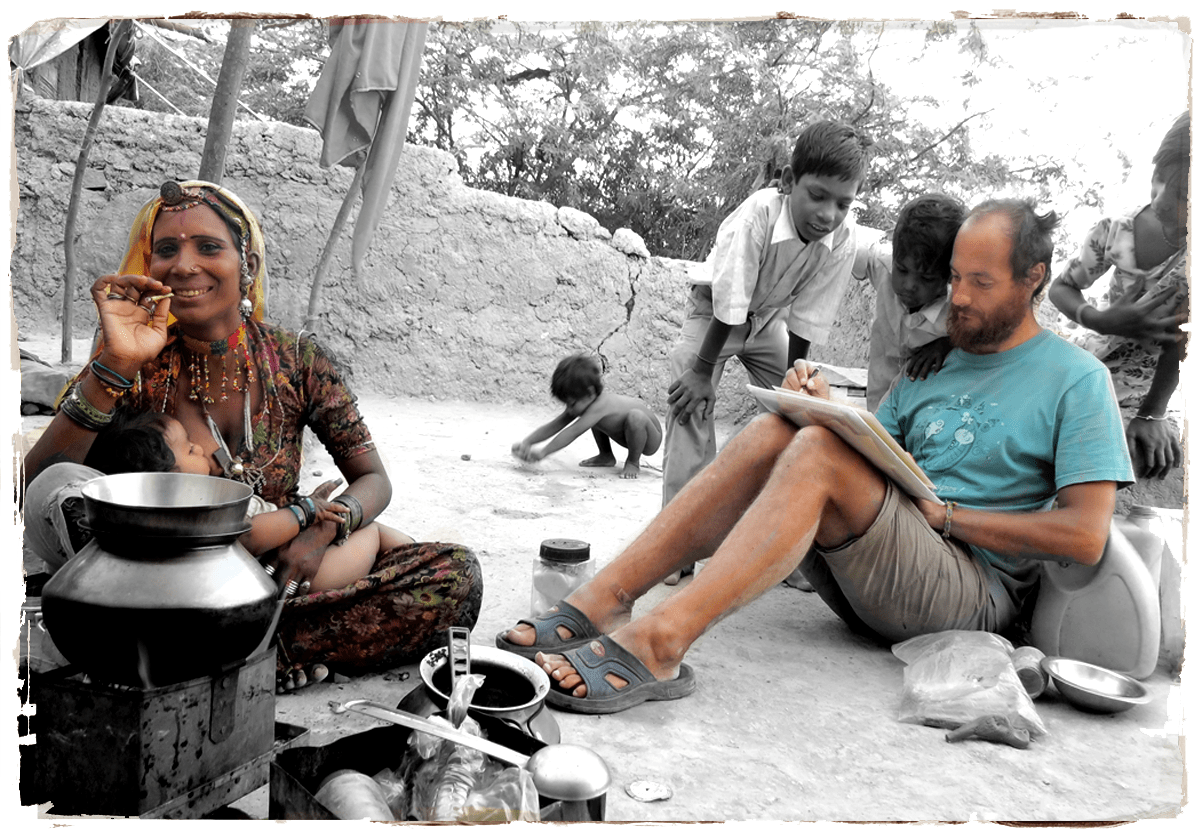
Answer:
[(688, 529), (818, 490)]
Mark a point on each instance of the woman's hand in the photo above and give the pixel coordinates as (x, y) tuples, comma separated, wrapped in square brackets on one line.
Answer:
[(690, 393), (1140, 319), (805, 377), (1154, 448), (134, 326), (298, 561)]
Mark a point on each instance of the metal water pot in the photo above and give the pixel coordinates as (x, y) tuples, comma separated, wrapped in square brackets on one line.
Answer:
[(164, 592)]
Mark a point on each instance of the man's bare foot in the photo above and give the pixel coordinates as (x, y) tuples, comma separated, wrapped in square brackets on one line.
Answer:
[(560, 669), (605, 618), (631, 470), (600, 461)]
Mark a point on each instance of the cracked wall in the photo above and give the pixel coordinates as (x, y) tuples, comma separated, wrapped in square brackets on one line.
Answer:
[(465, 294)]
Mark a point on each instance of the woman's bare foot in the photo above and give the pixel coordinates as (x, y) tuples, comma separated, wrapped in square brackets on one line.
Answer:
[(600, 461)]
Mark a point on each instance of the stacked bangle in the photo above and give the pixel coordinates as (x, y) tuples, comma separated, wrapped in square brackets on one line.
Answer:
[(304, 510), (352, 520), (76, 406), (298, 512), (950, 506)]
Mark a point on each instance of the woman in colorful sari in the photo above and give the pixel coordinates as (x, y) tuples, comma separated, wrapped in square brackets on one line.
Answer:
[(182, 334)]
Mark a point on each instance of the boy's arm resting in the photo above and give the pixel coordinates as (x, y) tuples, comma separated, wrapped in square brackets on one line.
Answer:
[(1153, 442), (928, 358), (1075, 531), (693, 391)]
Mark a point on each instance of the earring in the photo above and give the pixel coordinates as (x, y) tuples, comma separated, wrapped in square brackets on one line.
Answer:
[(245, 307)]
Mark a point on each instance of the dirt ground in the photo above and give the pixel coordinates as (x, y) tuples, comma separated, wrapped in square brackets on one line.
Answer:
[(794, 717)]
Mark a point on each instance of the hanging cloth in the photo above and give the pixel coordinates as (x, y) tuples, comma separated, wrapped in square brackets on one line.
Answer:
[(361, 104)]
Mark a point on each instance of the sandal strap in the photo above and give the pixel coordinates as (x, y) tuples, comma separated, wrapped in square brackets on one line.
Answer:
[(564, 615), (593, 667)]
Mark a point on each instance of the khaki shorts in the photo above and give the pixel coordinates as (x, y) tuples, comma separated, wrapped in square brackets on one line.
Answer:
[(901, 578)]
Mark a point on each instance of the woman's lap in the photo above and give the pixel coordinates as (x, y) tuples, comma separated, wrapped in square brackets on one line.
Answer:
[(393, 616)]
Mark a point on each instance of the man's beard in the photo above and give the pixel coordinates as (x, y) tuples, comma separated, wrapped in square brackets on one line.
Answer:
[(991, 332)]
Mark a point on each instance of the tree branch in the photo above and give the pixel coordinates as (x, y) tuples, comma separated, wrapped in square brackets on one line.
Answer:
[(946, 136)]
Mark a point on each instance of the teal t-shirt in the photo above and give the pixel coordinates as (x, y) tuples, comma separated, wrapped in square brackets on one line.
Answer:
[(1007, 431)]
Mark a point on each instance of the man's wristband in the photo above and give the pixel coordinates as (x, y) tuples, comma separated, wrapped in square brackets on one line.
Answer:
[(1150, 417), (950, 506)]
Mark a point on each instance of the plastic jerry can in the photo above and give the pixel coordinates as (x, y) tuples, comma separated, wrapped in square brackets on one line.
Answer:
[(1107, 614)]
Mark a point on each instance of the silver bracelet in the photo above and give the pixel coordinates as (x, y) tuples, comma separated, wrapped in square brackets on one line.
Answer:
[(76, 406), (1150, 417)]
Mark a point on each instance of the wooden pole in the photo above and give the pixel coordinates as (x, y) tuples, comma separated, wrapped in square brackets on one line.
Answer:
[(115, 30), (310, 321), (225, 99)]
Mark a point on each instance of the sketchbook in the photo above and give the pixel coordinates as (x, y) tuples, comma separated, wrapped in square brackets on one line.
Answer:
[(857, 427)]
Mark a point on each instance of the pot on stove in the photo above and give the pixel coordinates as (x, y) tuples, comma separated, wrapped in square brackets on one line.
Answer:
[(164, 592)]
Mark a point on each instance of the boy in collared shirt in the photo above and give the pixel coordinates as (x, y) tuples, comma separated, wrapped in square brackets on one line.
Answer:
[(771, 285)]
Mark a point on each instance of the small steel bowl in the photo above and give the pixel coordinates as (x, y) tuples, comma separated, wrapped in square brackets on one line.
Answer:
[(165, 505), (1092, 688)]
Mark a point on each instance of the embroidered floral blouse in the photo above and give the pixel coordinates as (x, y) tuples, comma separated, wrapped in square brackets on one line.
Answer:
[(303, 389)]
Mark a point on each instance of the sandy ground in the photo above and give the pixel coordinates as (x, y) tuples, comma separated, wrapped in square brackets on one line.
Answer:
[(794, 717)]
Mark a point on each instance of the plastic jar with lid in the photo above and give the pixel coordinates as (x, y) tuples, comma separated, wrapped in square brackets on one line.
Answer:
[(562, 565)]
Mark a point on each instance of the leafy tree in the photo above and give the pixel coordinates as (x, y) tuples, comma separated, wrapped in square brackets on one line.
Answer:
[(665, 127)]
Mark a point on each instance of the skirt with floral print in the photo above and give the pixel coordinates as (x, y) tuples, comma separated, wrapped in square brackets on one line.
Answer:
[(396, 614)]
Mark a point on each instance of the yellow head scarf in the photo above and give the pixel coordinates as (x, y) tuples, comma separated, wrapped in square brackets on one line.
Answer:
[(228, 205)]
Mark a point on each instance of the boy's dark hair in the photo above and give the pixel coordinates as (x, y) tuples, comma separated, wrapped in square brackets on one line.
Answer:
[(135, 441), (575, 376), (831, 148), (1030, 232), (1172, 161), (925, 231)]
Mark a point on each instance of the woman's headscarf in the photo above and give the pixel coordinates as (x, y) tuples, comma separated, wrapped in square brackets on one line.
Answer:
[(227, 205)]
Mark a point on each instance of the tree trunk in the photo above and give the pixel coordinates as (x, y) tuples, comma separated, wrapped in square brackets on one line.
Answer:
[(68, 318), (225, 100)]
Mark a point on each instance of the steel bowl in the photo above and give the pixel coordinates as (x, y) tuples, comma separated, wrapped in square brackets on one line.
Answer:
[(516, 694), (166, 505), (1092, 688)]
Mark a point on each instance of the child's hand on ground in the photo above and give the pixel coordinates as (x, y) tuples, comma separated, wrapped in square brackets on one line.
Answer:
[(928, 358), (522, 450)]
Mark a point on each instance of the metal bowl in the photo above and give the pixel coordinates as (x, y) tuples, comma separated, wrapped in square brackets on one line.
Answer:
[(1092, 688), (165, 505), (528, 683)]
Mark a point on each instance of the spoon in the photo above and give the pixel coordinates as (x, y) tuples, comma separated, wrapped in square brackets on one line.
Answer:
[(567, 772)]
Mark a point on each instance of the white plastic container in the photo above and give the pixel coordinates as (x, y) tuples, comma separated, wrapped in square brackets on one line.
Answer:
[(1107, 614), (561, 567)]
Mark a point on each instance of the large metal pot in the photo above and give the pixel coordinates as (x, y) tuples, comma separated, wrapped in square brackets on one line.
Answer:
[(156, 598)]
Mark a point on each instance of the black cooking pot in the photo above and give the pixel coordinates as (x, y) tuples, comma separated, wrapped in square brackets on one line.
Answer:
[(164, 593)]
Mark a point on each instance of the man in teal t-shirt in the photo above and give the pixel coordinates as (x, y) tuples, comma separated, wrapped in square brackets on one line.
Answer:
[(1020, 432)]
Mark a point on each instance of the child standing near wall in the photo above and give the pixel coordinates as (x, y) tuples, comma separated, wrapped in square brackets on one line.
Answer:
[(577, 384), (771, 285), (911, 281)]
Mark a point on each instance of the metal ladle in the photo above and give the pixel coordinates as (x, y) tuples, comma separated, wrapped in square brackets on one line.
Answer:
[(570, 773)]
